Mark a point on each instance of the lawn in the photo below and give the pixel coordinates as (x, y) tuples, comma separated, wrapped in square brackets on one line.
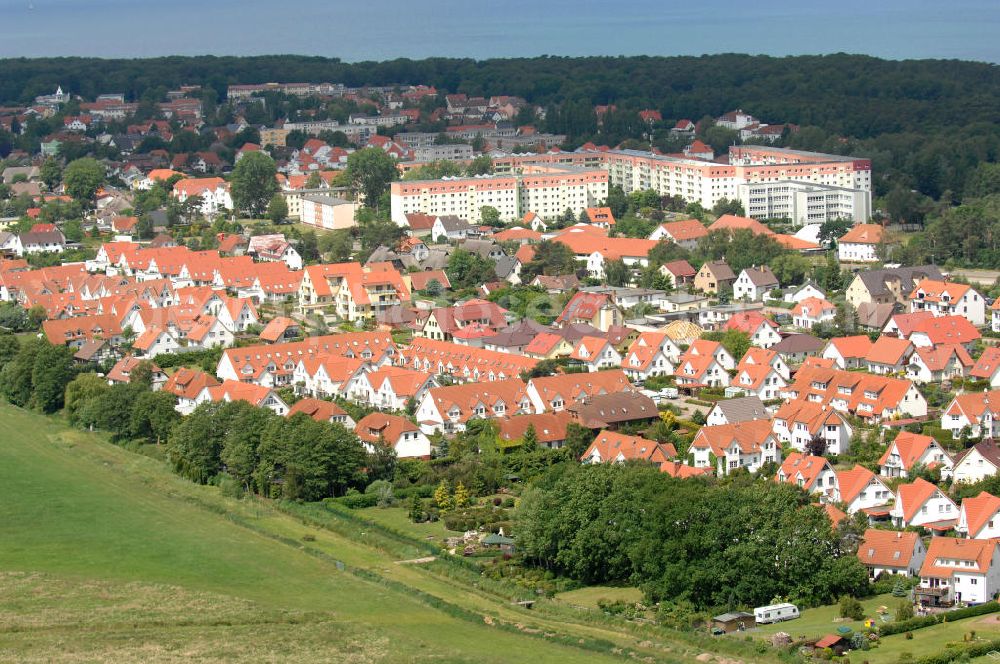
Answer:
[(826, 619), (155, 568), (590, 596), (397, 518), (932, 640), (821, 620)]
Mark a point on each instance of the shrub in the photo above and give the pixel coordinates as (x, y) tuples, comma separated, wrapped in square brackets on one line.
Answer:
[(927, 621), (851, 608), (359, 500), (908, 636), (904, 611)]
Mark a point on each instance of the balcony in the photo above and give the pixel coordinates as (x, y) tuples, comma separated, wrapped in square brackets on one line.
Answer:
[(939, 592)]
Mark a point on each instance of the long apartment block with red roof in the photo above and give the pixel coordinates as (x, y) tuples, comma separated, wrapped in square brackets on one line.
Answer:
[(547, 190), (274, 364), (871, 397), (449, 409)]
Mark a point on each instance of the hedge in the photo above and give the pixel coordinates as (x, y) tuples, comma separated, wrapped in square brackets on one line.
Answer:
[(951, 655), (929, 621), (358, 500)]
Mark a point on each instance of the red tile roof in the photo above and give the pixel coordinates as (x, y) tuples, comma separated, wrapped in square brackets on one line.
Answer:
[(383, 428), (910, 447), (864, 234), (978, 511), (611, 446), (797, 465), (188, 383), (913, 495), (319, 410), (749, 436), (979, 552), (887, 548)]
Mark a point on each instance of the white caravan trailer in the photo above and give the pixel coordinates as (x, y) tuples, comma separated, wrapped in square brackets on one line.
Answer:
[(775, 613)]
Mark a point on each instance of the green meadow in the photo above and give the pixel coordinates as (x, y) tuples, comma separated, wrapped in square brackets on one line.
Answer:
[(106, 555)]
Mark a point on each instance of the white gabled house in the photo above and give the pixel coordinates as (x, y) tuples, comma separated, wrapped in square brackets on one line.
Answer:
[(910, 449), (754, 284), (812, 474), (705, 363), (798, 422), (980, 461), (979, 517), (861, 489), (921, 503), (959, 570), (891, 552), (596, 353), (727, 447), (976, 412)]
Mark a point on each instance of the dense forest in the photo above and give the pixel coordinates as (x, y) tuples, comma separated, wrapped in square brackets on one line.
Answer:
[(925, 123), (738, 542), (929, 126)]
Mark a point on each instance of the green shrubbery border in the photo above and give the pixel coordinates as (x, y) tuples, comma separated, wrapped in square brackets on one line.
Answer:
[(930, 621)]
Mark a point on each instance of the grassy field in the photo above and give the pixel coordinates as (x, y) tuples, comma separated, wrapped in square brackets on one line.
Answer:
[(107, 556), (826, 619), (934, 639), (590, 596), (396, 518)]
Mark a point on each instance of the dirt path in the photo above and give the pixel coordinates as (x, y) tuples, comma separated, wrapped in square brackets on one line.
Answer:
[(981, 277), (417, 561)]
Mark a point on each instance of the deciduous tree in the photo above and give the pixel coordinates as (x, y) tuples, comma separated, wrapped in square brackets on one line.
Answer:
[(370, 171), (253, 183), (82, 177)]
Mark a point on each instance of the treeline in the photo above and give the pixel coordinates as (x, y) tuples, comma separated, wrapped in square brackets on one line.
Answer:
[(924, 123), (853, 95), (295, 458), (967, 235), (234, 444), (740, 542)]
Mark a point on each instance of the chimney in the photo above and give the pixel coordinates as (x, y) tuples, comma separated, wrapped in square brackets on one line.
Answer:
[(899, 535)]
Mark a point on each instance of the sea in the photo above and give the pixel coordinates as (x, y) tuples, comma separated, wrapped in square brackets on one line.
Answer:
[(356, 30)]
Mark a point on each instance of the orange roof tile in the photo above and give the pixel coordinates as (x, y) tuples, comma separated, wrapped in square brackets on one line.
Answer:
[(978, 511), (733, 222), (913, 495), (687, 230), (852, 347), (910, 447), (749, 436), (979, 552), (852, 482), (797, 465), (988, 363), (612, 445), (889, 350), (319, 410), (887, 548), (864, 234), (383, 428)]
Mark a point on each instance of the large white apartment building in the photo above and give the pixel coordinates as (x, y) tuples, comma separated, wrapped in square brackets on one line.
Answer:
[(706, 182), (545, 190), (804, 202), (359, 133)]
